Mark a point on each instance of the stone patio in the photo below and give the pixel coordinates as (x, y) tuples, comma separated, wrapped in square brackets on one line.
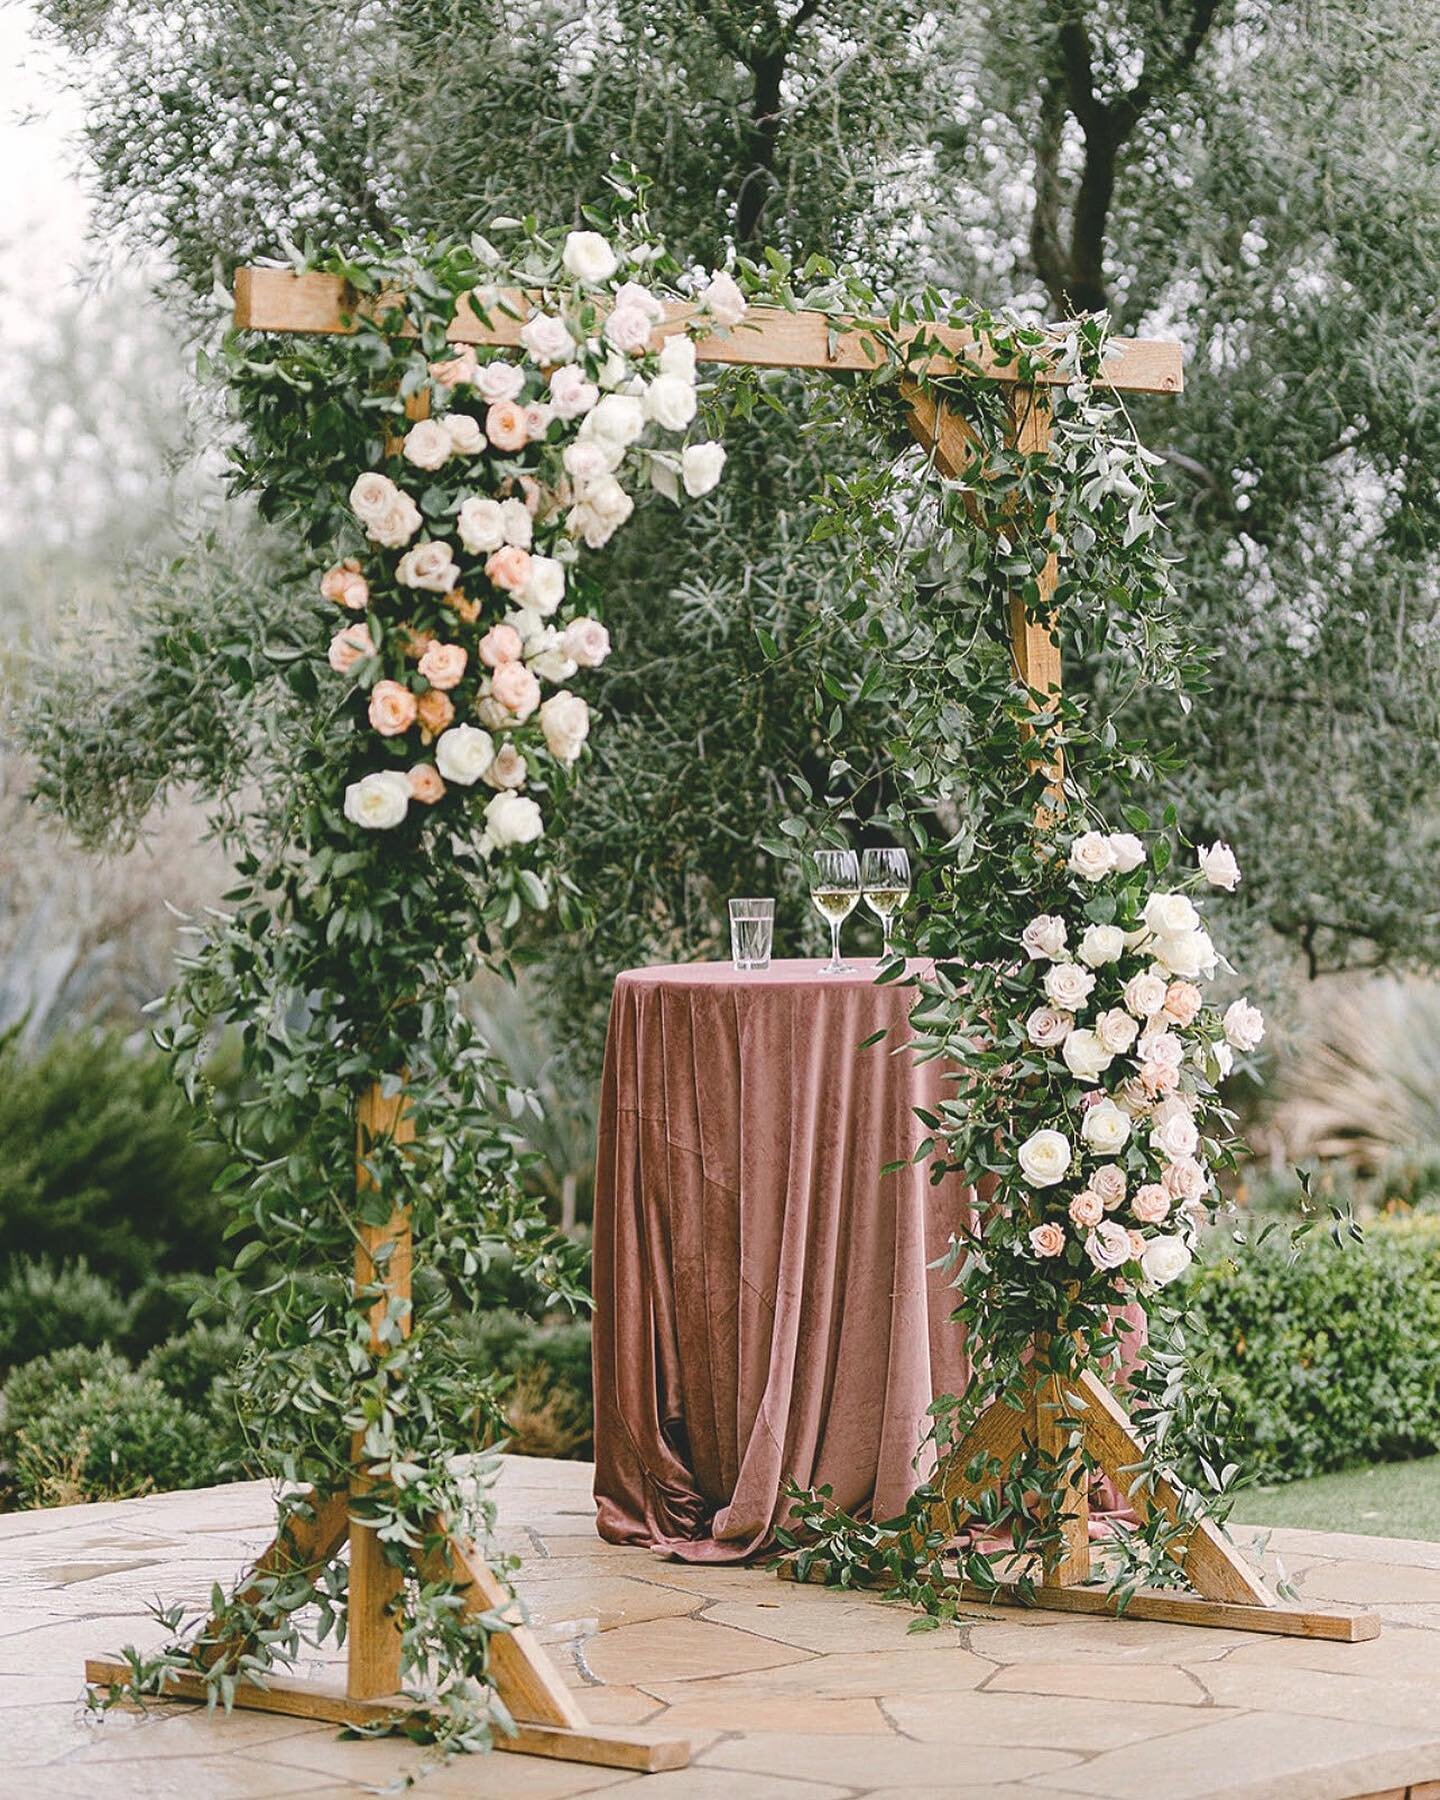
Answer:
[(786, 1693)]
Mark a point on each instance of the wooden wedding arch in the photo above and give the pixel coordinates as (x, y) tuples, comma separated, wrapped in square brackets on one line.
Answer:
[(1063, 1421)]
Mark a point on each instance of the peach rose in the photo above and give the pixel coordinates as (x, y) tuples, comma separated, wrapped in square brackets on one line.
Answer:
[(1182, 1002), (350, 646), (500, 644), (415, 643), (443, 665), (425, 784), (436, 713), (346, 586), (467, 610), (1047, 1239), (1159, 1078), (392, 708), (1137, 1245), (516, 689), (509, 568), (1086, 1209), (506, 427), (1151, 1204), (460, 368)]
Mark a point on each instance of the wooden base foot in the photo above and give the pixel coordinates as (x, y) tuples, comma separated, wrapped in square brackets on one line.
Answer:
[(631, 1749)]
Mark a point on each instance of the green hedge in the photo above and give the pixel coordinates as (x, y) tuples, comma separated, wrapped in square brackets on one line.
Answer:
[(1330, 1358)]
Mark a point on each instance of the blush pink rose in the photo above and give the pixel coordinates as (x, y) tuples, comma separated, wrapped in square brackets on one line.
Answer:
[(425, 784), (346, 586), (460, 368), (1151, 1204), (516, 689), (1047, 1239), (537, 420), (1137, 1245), (443, 665), (350, 646), (1182, 1002), (392, 708), (1159, 1078), (436, 713), (505, 426), (500, 644), (509, 568), (1108, 1181), (1184, 1179), (1086, 1209)]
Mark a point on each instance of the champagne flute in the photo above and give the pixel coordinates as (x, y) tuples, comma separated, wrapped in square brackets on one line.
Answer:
[(885, 877), (835, 892)]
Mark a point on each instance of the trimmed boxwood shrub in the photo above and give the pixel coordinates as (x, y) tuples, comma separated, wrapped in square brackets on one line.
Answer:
[(1331, 1358), (44, 1309)]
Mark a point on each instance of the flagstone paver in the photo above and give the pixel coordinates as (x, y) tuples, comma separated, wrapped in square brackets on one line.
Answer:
[(785, 1693)]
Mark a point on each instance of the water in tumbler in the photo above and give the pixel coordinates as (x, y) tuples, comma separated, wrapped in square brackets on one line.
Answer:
[(752, 924)]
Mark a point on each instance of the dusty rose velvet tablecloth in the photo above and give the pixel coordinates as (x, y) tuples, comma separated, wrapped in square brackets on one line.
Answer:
[(764, 1309)]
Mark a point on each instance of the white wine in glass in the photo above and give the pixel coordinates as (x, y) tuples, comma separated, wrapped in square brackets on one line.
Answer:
[(885, 877), (835, 892)]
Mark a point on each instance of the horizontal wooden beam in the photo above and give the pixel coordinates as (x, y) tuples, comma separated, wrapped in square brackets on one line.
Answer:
[(769, 337)]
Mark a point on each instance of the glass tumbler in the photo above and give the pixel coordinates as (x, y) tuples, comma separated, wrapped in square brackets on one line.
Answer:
[(752, 926)]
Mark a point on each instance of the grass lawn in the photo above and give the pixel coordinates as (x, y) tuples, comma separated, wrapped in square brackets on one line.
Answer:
[(1390, 1500)]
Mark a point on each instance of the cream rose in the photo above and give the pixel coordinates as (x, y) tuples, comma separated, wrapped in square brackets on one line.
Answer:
[(396, 526), (508, 769), (1244, 1025), (1145, 994), (512, 818), (1068, 986), (545, 588), (565, 721), (1168, 915), (670, 402), (1085, 1056), (1116, 1030), (587, 642), (1184, 953), (549, 658), (588, 257), (1161, 1047), (628, 328), (481, 525), (1105, 1129), (604, 509), (427, 444), (379, 801), (616, 421), (700, 468), (372, 497), (722, 299), (1174, 1135), (677, 356), (1044, 938), (1101, 944), (430, 566), (1047, 1029), (547, 338), (1165, 1259), (463, 430), (500, 381), (571, 394), (1219, 867), (1090, 856), (1126, 852), (1044, 1158), (464, 753), (1185, 1179)]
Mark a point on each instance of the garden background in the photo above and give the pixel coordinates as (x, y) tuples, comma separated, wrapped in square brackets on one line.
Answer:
[(1258, 180)]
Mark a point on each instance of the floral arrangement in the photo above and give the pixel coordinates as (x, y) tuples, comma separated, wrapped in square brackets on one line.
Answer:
[(1120, 1055), (474, 527)]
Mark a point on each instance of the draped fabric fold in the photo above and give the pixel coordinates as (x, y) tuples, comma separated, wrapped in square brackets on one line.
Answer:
[(765, 1308)]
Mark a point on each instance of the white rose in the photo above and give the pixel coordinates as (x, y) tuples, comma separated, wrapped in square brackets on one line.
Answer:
[(463, 754), (677, 357), (722, 299), (587, 641), (464, 432), (549, 658), (1116, 1030), (570, 393), (1145, 994), (565, 720), (617, 419), (1068, 986), (630, 293), (1165, 1259), (1101, 944), (492, 714), (586, 460), (1090, 856), (1047, 1029), (547, 338), (1244, 1025), (1168, 915), (1174, 1134), (601, 513), (516, 523), (1224, 1059), (481, 525), (1085, 1056), (372, 497), (508, 769), (1105, 1129), (427, 444), (512, 818), (616, 372), (1184, 953), (500, 380), (378, 801), (1126, 852), (628, 328), (546, 587), (1044, 937), (670, 402), (588, 257), (700, 467), (430, 566), (1161, 1047), (1044, 1158), (397, 525), (1219, 867)]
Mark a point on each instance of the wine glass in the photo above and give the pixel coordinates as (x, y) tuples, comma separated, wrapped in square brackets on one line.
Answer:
[(885, 877), (835, 892)]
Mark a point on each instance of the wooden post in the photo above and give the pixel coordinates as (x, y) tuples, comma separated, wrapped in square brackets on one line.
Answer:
[(383, 1259)]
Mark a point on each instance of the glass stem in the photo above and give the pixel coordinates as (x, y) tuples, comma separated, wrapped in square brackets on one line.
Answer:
[(885, 927), (834, 943)]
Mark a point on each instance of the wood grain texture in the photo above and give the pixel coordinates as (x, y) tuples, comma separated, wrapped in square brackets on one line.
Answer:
[(1069, 1562), (638, 1750), (281, 300)]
